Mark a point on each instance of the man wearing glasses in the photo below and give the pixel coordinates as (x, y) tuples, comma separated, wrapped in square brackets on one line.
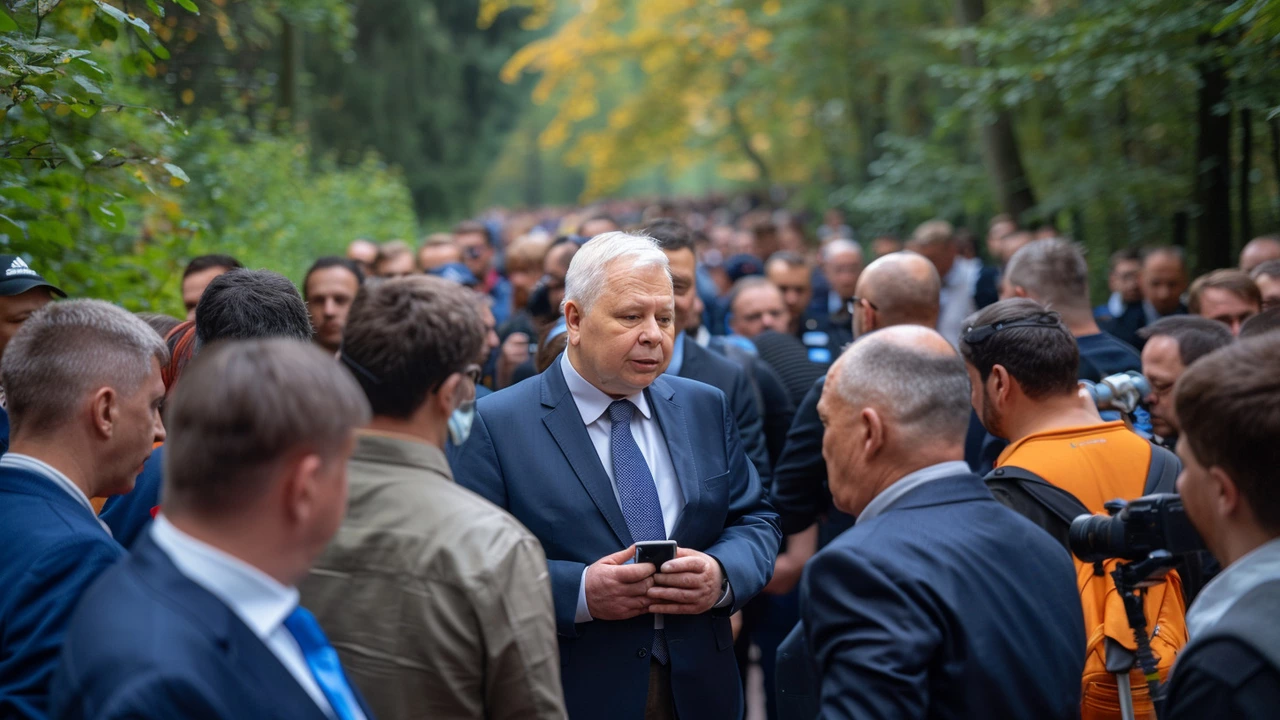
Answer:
[(438, 602)]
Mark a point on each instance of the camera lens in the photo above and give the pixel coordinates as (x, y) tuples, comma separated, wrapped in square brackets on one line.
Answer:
[(1096, 537)]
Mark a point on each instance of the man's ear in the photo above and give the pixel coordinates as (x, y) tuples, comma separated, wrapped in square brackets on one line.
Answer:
[(1019, 291), (446, 397), (1000, 385), (573, 321), (300, 487), (1226, 493), (874, 441), (104, 408)]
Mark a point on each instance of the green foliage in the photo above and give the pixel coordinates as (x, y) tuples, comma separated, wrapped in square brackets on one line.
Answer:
[(109, 196)]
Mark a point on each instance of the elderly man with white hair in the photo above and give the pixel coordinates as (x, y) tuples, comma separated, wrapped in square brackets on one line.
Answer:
[(603, 451)]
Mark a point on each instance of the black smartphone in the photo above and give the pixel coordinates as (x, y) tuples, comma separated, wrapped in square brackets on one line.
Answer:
[(656, 552)]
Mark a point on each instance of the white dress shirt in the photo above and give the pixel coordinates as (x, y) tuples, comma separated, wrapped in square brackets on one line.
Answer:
[(256, 598), (18, 461), (593, 406)]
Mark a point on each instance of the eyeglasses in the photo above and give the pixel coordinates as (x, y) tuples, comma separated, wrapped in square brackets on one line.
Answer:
[(982, 333), (853, 303), (473, 371)]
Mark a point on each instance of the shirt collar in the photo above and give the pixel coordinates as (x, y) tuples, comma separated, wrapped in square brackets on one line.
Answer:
[(895, 492), (1115, 305), (677, 355), (591, 401), (256, 598), (1256, 567), (18, 461), (702, 336)]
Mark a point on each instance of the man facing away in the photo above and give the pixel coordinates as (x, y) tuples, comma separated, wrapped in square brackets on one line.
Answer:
[(202, 621), (939, 603), (601, 451), (84, 395), (22, 292), (438, 602)]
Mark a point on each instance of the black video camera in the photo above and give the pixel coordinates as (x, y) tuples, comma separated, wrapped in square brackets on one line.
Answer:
[(1133, 530)]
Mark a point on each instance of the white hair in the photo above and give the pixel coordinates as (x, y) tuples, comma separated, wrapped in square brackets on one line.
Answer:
[(585, 280), (840, 247)]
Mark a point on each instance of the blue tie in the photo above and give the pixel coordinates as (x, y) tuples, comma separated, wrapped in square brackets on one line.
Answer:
[(324, 664), (637, 493)]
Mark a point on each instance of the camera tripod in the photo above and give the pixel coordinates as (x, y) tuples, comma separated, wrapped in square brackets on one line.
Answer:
[(1132, 579)]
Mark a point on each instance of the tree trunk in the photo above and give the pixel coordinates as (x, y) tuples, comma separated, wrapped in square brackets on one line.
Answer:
[(1246, 168), (1000, 151), (1213, 168), (1273, 126), (290, 112)]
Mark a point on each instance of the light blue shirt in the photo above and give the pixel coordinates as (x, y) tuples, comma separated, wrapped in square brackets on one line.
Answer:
[(593, 405), (677, 355), (18, 461), (895, 492), (256, 598)]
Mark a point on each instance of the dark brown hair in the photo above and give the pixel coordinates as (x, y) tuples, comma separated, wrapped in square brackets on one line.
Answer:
[(1043, 358), (405, 336), (1228, 406)]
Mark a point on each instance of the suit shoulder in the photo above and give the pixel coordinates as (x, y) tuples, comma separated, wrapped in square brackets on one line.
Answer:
[(516, 398)]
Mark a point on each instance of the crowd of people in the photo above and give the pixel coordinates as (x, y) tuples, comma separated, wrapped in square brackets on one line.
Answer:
[(599, 463)]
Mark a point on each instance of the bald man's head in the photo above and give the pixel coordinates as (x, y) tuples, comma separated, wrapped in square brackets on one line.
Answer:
[(900, 288), (1258, 251)]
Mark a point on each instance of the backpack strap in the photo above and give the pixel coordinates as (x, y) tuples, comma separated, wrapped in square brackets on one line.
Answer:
[(1041, 502), (1162, 474)]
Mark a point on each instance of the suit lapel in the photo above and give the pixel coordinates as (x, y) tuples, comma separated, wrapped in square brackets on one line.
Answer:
[(274, 687), (675, 430), (564, 422)]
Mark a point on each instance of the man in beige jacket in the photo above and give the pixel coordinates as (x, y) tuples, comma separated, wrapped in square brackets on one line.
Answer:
[(438, 602)]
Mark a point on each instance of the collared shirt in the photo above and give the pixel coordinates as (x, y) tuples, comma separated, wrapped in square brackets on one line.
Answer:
[(256, 598), (593, 405), (438, 601), (956, 298), (1115, 304), (1260, 565), (677, 355), (895, 492), (18, 461), (835, 303)]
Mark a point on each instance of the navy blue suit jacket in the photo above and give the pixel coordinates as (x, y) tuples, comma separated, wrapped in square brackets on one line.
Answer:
[(730, 378), (51, 549), (148, 643), (129, 514), (529, 453), (946, 605)]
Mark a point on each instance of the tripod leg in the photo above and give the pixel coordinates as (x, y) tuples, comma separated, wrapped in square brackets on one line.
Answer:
[(1125, 696)]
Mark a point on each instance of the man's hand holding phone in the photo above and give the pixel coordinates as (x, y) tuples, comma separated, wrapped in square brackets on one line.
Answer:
[(690, 584), (617, 590)]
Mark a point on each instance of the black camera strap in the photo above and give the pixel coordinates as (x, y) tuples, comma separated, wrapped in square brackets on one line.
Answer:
[(1036, 499)]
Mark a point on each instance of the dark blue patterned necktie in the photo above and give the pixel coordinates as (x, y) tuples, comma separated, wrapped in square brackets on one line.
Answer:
[(637, 493)]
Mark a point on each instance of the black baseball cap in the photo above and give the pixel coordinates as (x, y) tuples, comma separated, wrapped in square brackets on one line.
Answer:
[(17, 277)]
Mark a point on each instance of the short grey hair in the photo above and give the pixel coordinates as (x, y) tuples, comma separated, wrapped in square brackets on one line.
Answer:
[(585, 280), (840, 247), (1054, 271), (926, 394), (241, 409), (69, 349)]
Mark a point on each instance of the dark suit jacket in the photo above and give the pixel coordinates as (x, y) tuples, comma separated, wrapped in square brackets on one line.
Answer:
[(147, 643), (946, 605), (530, 454), (730, 378), (800, 493), (129, 514), (51, 549)]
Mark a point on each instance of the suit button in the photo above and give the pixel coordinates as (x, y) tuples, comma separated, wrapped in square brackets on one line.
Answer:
[(642, 653)]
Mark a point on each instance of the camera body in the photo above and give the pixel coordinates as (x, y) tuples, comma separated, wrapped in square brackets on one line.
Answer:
[(1122, 391), (1135, 529)]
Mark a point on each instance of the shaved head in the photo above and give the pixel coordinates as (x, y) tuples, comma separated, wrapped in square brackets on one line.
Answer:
[(904, 287), (1258, 251), (912, 376)]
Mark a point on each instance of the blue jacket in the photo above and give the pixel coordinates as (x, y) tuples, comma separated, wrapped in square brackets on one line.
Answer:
[(730, 378), (51, 549), (530, 454), (129, 514), (148, 643), (946, 605)]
